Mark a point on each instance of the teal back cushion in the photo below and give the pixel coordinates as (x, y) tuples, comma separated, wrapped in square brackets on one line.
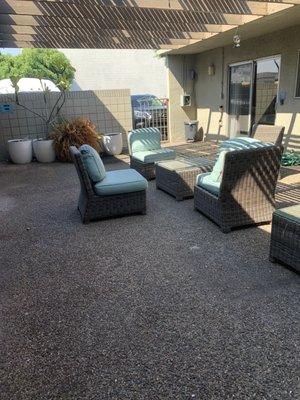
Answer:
[(217, 172), (242, 143), (92, 163), (239, 143), (144, 139)]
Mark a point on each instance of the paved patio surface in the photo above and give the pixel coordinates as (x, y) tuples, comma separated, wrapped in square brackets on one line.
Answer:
[(162, 306)]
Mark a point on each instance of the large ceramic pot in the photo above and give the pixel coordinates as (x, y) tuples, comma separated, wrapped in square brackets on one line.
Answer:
[(113, 143), (20, 151), (44, 150)]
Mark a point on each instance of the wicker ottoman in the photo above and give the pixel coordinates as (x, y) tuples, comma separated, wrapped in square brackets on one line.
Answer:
[(285, 236), (178, 177)]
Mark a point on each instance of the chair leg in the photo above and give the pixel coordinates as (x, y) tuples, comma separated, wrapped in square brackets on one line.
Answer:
[(179, 198), (225, 229)]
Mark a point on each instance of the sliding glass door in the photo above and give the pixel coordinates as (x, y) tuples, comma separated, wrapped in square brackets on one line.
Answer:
[(253, 88), (240, 95), (265, 91)]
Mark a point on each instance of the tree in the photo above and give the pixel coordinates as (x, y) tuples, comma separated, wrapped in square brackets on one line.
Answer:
[(6, 66), (38, 63)]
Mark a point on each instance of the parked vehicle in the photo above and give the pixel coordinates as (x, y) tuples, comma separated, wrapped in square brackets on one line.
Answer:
[(28, 85), (148, 110)]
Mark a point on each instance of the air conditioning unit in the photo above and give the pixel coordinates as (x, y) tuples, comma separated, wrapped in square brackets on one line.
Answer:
[(185, 100)]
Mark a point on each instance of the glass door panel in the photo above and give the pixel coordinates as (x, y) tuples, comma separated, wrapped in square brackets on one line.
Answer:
[(240, 98), (265, 91)]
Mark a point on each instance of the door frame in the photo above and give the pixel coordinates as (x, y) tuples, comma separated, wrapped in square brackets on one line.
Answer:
[(251, 90), (252, 83)]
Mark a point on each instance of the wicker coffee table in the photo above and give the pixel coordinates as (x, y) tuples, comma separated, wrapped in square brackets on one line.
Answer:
[(178, 177), (285, 236)]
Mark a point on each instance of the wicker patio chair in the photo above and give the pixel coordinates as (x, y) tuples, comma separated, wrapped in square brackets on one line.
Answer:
[(145, 150), (246, 195), (268, 133), (95, 207)]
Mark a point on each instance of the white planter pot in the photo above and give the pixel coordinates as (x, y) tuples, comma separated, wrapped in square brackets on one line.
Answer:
[(20, 151), (113, 143), (44, 150)]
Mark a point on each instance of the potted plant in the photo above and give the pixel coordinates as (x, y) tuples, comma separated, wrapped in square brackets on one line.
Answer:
[(74, 133), (20, 151), (43, 148), (113, 143)]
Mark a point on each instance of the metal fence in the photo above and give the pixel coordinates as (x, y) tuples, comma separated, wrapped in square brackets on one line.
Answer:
[(151, 112)]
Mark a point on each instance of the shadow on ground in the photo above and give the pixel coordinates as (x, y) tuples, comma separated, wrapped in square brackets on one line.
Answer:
[(162, 306)]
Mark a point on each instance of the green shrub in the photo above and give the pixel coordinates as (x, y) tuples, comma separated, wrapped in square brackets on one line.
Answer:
[(290, 158)]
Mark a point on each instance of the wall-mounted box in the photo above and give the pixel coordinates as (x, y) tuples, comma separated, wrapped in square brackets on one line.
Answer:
[(185, 100), (6, 108)]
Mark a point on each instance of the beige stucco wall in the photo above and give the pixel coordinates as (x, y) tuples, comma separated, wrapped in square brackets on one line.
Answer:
[(138, 70), (208, 89), (179, 84)]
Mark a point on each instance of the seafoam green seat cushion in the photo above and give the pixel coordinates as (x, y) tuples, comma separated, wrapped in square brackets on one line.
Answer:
[(119, 182), (152, 156), (93, 163), (206, 182), (144, 139), (292, 213)]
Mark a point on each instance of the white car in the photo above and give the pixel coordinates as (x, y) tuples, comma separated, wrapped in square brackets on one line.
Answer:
[(28, 85)]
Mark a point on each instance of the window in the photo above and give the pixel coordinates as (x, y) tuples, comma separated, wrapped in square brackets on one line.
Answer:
[(297, 93)]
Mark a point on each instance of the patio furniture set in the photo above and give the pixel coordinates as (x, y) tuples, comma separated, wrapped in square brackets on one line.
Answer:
[(235, 189)]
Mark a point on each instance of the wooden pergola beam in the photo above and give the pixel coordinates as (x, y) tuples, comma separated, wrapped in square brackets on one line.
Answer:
[(93, 40), (87, 24), (259, 7), (76, 45), (70, 31), (80, 9), (125, 23)]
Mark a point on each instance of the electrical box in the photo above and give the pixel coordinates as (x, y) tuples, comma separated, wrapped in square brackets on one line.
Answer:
[(185, 100), (6, 108)]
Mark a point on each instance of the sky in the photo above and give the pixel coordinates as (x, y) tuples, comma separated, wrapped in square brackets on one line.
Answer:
[(13, 52)]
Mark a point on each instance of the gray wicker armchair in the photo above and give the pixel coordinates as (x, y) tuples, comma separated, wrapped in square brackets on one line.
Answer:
[(145, 150), (268, 133), (95, 207), (247, 191)]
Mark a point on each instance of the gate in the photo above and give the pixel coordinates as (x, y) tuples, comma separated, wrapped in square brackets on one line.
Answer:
[(150, 111)]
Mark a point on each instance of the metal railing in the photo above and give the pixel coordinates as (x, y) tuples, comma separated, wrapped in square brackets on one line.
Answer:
[(152, 112)]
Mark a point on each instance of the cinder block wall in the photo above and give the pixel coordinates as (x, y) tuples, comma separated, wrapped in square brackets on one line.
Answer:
[(109, 110)]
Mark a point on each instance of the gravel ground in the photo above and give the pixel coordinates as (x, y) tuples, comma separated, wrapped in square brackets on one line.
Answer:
[(162, 306)]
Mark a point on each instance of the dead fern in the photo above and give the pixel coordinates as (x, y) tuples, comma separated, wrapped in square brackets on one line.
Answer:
[(74, 133)]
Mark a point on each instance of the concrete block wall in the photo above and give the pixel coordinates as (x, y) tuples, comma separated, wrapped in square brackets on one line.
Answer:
[(109, 110)]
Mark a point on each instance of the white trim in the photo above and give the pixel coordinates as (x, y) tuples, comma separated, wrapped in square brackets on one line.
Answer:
[(268, 57), (256, 59), (240, 63), (297, 78)]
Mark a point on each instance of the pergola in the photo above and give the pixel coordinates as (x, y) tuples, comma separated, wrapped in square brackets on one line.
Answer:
[(138, 24)]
